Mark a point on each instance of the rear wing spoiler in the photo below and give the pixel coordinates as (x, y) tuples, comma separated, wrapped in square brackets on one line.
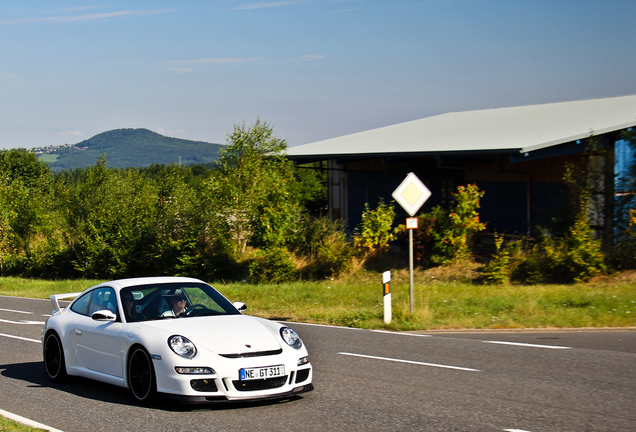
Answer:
[(55, 300)]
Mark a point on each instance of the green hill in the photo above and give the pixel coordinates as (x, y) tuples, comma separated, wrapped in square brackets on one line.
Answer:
[(126, 148)]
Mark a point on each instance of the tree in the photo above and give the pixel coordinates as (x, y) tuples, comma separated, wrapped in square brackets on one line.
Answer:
[(251, 190), (112, 223), (28, 216), (23, 165), (444, 235)]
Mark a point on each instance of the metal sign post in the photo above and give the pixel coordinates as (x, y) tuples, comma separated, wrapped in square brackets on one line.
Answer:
[(411, 195), (411, 224)]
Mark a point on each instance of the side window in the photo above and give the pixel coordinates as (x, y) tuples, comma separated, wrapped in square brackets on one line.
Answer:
[(103, 298), (80, 305)]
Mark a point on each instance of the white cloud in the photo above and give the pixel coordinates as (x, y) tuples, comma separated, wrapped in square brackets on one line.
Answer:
[(266, 4), (312, 57), (224, 60), (85, 17), (10, 78)]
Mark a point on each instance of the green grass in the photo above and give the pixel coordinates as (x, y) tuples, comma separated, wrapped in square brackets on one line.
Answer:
[(39, 288), (47, 158), (441, 301), (7, 425)]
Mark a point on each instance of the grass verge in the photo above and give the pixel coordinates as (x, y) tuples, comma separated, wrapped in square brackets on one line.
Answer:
[(7, 425), (442, 300)]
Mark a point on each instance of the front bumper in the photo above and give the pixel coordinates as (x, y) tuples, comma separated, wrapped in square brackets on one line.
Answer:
[(223, 399), (225, 384)]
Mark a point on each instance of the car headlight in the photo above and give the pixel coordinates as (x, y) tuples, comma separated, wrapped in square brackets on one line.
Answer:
[(291, 338), (182, 346), (185, 370)]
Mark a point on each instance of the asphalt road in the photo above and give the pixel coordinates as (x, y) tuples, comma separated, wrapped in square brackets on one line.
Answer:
[(365, 381)]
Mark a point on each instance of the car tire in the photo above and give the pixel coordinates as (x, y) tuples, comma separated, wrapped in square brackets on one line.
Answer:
[(53, 351), (141, 375)]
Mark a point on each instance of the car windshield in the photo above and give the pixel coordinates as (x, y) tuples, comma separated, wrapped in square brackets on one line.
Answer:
[(173, 300)]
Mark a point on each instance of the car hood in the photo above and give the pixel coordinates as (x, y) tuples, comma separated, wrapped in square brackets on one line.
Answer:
[(226, 334)]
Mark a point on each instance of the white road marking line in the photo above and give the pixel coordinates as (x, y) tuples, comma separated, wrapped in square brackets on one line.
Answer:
[(400, 333), (528, 345), (22, 322), (16, 311), (514, 430), (355, 328), (21, 338), (320, 325), (410, 362), (26, 421)]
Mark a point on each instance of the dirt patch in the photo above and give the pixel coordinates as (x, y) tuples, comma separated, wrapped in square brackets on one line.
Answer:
[(628, 276), (465, 271)]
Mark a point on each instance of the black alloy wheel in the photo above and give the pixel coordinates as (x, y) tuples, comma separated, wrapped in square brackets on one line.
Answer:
[(54, 357), (141, 375)]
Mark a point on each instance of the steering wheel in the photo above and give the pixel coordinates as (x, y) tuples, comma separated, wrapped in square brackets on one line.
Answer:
[(195, 309)]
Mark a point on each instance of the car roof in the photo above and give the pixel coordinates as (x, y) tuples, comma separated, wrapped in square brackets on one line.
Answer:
[(125, 283)]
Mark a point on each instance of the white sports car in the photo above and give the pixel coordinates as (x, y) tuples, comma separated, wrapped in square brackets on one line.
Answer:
[(174, 336)]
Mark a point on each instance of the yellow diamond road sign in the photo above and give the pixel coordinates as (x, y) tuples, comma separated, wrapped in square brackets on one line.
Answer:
[(411, 194)]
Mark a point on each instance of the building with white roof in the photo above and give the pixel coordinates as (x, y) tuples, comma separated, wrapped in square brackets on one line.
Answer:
[(517, 155)]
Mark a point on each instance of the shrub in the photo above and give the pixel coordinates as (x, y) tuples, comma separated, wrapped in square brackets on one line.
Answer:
[(624, 252), (575, 257), (272, 266), (446, 235), (375, 232), (428, 242), (325, 244), (208, 259), (503, 263), (464, 219)]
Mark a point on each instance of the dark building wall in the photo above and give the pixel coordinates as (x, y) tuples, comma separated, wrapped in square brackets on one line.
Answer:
[(514, 192), (374, 180)]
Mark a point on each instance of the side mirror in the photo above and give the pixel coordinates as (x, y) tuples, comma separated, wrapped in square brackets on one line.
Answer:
[(104, 315), (240, 306)]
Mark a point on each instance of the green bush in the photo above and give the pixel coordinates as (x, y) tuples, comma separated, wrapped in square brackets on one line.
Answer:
[(623, 254), (375, 232), (272, 266), (428, 245), (464, 219), (446, 235), (562, 260), (571, 258), (325, 245), (503, 264)]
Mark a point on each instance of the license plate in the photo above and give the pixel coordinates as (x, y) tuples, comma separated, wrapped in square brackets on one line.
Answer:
[(261, 372)]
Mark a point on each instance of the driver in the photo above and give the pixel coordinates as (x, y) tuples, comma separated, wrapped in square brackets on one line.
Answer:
[(132, 315), (177, 306)]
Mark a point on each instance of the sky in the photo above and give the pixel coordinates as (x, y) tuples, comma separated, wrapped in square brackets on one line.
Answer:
[(310, 69)]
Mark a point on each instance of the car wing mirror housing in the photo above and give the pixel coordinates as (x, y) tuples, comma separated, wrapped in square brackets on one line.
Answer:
[(240, 306), (104, 315)]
